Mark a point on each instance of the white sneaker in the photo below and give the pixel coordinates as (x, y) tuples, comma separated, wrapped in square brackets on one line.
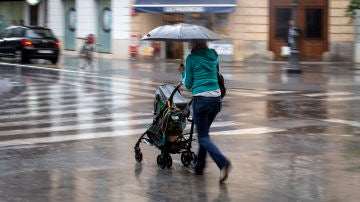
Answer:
[(191, 169)]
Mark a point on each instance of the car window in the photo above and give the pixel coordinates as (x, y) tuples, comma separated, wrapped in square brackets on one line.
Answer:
[(39, 33), (18, 32), (7, 33)]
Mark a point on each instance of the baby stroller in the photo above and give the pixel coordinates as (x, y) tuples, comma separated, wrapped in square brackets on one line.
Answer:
[(171, 112)]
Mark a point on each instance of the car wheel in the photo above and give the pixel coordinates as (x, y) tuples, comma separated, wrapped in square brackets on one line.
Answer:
[(54, 61)]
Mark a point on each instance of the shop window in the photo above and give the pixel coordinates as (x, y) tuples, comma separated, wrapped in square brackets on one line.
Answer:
[(218, 22), (222, 23), (173, 18), (203, 19)]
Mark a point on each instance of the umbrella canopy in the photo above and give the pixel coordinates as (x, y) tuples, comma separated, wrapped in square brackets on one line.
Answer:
[(181, 32)]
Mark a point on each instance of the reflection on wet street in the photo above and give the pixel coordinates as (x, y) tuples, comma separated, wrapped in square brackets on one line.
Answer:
[(69, 135)]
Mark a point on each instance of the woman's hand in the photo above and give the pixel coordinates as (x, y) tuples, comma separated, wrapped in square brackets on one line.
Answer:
[(181, 68)]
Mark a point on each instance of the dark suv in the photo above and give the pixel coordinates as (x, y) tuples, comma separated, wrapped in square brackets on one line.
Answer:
[(29, 42)]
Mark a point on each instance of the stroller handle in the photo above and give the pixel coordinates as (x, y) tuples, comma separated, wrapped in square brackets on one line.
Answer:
[(170, 101)]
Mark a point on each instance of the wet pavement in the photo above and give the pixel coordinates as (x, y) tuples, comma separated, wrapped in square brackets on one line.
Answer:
[(68, 135)]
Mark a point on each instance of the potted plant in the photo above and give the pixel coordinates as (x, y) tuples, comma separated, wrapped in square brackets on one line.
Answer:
[(352, 7)]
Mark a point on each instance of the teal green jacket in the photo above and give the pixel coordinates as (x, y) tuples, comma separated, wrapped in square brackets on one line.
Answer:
[(200, 73)]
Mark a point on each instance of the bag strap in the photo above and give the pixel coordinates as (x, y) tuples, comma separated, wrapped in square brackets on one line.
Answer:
[(217, 55)]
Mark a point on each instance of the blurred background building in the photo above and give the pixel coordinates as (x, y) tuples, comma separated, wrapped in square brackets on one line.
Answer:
[(252, 30), (22, 12)]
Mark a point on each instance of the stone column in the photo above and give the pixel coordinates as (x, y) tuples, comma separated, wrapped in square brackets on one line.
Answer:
[(357, 36)]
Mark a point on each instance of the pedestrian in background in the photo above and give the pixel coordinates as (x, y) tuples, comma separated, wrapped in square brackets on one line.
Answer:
[(200, 75), (293, 32)]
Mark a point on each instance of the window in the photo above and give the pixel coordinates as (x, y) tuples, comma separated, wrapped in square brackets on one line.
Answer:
[(39, 33), (18, 32), (282, 22), (106, 19), (71, 18), (222, 23), (5, 33), (203, 19), (314, 23)]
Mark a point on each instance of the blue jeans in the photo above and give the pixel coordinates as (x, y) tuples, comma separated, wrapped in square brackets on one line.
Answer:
[(205, 110)]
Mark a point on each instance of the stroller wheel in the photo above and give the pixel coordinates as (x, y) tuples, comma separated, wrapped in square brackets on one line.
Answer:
[(161, 161), (168, 161), (138, 156), (186, 158)]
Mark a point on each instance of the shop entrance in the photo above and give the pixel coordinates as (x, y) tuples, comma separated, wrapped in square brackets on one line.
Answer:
[(174, 50), (312, 17)]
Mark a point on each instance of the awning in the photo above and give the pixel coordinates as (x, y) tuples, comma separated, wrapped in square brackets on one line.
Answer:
[(184, 6)]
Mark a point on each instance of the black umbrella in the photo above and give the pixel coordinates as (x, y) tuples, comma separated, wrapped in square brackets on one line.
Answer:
[(181, 32)]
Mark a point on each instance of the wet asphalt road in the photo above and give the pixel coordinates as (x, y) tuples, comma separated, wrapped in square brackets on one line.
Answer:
[(68, 134)]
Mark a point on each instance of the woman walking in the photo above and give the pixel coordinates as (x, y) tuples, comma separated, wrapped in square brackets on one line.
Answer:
[(200, 75)]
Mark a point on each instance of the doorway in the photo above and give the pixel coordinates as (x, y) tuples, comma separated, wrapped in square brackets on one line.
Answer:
[(34, 19), (70, 24), (312, 18), (104, 29)]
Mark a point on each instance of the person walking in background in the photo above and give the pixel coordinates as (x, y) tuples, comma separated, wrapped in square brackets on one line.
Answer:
[(293, 32), (200, 75)]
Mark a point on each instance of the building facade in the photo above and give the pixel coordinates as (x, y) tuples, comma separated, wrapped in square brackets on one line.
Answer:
[(16, 12), (258, 28), (109, 21), (252, 30)]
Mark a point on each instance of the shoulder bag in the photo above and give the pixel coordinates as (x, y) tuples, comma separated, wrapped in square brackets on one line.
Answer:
[(220, 78)]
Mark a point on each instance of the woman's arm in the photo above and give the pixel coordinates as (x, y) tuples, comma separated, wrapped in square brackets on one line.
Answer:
[(188, 74)]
